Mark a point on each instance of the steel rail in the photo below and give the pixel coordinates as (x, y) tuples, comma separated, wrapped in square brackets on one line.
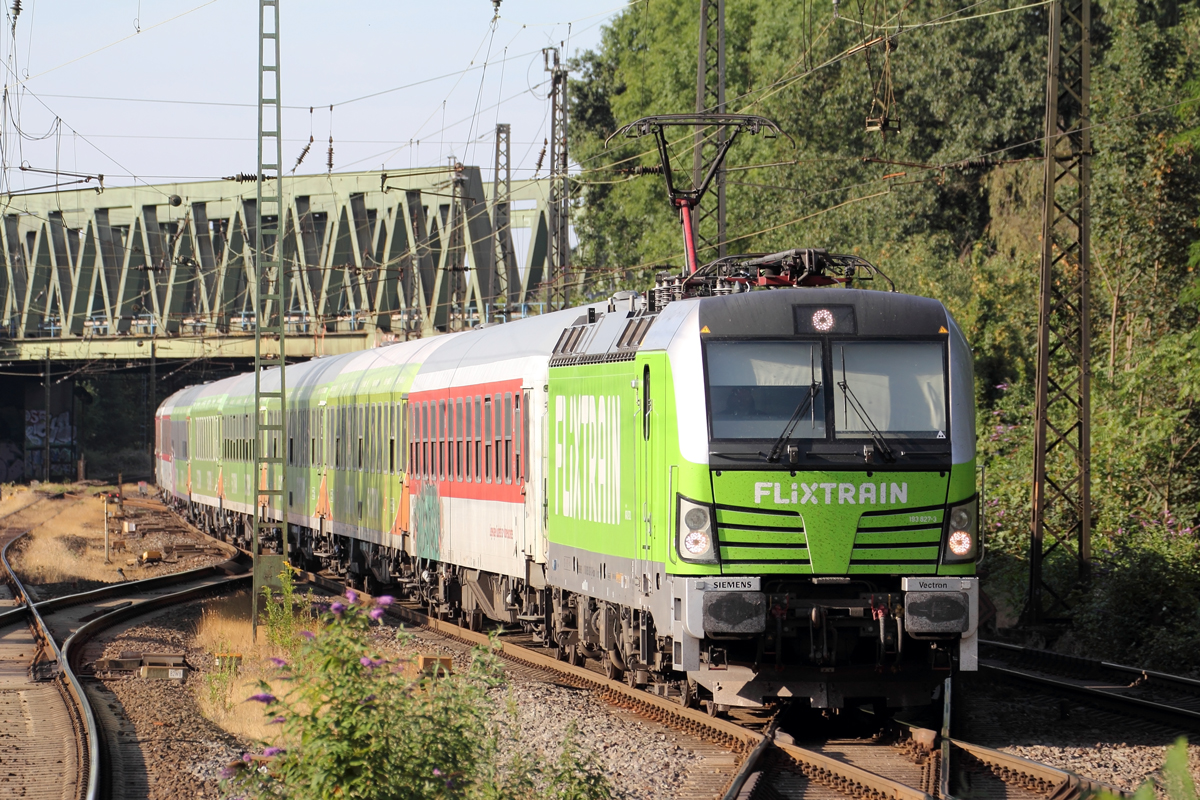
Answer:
[(1105, 698), (1190, 685), (62, 654), (1053, 781), (109, 591), (84, 708)]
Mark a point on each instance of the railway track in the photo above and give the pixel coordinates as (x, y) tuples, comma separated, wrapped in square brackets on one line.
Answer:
[(906, 763), (1170, 700), (60, 747)]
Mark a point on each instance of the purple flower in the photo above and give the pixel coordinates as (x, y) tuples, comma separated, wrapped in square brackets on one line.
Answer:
[(352, 596), (263, 697), (375, 614), (308, 635), (228, 773), (337, 608), (385, 601), (279, 662), (272, 751), (366, 662), (437, 773), (247, 757), (278, 721)]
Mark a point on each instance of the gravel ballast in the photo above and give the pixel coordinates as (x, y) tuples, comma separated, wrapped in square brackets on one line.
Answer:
[(1096, 744), (184, 752)]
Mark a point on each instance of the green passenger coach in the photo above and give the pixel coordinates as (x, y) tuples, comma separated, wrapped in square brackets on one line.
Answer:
[(734, 498)]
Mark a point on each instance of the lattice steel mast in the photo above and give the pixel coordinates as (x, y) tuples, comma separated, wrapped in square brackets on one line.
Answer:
[(509, 278), (270, 320), (708, 222), (1062, 502), (558, 284)]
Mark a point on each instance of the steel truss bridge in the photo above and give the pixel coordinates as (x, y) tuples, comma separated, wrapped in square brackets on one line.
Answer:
[(369, 257)]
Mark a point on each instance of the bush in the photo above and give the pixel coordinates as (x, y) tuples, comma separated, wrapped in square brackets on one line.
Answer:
[(1144, 603), (354, 725)]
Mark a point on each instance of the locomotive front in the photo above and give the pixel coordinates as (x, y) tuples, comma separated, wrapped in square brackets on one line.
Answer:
[(826, 521)]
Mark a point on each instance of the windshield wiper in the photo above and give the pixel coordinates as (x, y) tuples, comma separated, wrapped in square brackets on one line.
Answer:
[(853, 402), (806, 401)]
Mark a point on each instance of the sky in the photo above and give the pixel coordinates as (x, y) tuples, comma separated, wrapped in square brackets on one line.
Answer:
[(161, 91)]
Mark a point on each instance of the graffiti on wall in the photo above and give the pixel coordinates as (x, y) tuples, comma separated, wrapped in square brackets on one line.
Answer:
[(62, 444), (12, 462), (61, 430)]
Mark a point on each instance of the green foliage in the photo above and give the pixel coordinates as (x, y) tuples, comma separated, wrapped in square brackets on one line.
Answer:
[(1176, 783), (970, 237), (283, 619), (1145, 599), (219, 682), (355, 724)]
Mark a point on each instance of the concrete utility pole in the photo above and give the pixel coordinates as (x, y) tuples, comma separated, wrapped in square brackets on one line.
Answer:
[(1062, 471), (709, 222), (270, 322)]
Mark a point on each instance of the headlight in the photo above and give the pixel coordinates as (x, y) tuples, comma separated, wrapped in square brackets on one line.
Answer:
[(694, 538), (961, 534)]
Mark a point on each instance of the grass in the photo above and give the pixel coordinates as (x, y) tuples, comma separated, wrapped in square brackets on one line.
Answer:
[(69, 547), (224, 627)]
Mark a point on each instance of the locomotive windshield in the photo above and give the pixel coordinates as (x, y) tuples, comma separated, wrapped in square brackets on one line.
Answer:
[(900, 388), (888, 388), (756, 386)]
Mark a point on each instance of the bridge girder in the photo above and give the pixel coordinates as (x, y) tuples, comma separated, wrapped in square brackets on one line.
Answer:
[(370, 257)]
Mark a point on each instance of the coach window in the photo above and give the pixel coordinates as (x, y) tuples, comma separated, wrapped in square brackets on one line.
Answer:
[(458, 439), (430, 437), (381, 437), (414, 440), (498, 438), (478, 439), (468, 439), (487, 438), (451, 435), (391, 418), (508, 437), (447, 440), (369, 438), (405, 436), (423, 439), (438, 434)]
